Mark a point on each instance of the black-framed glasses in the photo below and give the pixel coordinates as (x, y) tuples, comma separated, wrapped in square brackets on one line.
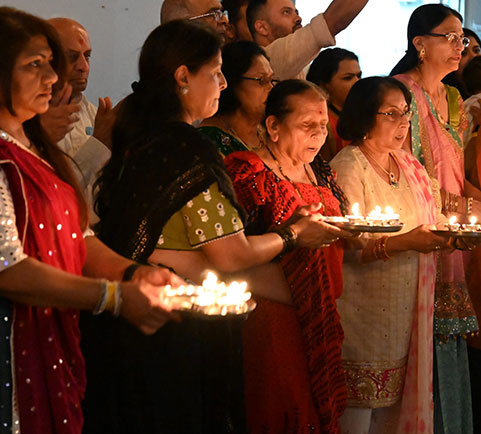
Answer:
[(396, 116), (218, 15), (263, 81), (453, 38)]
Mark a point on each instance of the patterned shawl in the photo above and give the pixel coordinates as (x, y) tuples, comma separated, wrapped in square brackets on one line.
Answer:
[(156, 180)]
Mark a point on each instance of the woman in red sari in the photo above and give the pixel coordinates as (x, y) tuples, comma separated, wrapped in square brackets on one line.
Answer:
[(43, 220), (292, 354)]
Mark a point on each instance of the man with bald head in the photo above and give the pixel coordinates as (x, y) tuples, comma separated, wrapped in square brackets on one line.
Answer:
[(74, 123), (207, 11)]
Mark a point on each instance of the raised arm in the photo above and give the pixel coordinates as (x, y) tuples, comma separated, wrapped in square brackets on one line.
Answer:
[(341, 13)]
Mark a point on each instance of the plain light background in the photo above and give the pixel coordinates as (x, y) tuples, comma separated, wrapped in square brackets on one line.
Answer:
[(118, 29)]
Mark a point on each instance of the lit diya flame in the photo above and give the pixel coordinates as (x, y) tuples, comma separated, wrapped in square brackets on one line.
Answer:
[(472, 226), (355, 209), (453, 226), (375, 218), (212, 298)]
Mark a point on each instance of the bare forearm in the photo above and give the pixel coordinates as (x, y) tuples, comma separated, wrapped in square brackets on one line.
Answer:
[(340, 14), (266, 281), (101, 261), (38, 284)]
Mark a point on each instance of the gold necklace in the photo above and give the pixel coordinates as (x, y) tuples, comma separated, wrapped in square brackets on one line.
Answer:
[(314, 184), (393, 181)]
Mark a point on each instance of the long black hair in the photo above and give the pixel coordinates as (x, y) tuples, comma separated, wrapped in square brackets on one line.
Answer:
[(326, 64), (17, 28), (423, 20), (155, 100)]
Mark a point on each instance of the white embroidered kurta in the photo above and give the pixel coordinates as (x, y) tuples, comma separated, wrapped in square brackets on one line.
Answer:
[(378, 300)]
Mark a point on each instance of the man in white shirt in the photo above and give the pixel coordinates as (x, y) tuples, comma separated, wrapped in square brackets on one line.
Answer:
[(276, 25), (75, 124)]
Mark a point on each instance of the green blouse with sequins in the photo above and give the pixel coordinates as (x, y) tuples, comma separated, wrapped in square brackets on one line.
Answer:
[(226, 143), (205, 218)]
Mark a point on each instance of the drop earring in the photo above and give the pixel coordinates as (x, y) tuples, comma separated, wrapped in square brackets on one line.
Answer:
[(422, 55), (184, 90)]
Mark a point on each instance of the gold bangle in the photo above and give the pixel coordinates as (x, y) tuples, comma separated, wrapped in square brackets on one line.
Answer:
[(469, 206)]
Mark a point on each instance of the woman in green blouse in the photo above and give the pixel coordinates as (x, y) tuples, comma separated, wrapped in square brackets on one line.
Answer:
[(236, 125), (165, 198)]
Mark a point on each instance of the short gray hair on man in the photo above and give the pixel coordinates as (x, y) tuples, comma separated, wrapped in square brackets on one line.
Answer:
[(174, 10)]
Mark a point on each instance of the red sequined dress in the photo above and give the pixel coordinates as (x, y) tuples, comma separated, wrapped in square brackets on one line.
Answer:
[(47, 365), (294, 380)]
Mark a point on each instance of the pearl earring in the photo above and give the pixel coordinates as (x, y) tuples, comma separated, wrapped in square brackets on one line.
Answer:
[(184, 90)]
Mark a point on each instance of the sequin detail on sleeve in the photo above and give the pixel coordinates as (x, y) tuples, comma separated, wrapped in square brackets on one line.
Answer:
[(11, 250)]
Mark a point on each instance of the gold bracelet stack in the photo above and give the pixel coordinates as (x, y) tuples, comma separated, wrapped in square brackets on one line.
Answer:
[(110, 298), (451, 202)]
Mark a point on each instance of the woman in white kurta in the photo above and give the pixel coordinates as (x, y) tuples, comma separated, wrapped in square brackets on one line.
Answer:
[(387, 325)]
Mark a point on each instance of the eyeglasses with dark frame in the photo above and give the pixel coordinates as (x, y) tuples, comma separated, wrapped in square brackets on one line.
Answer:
[(453, 38), (396, 116), (263, 81), (218, 14)]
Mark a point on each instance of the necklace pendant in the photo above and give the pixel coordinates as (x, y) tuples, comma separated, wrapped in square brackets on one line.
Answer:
[(393, 182)]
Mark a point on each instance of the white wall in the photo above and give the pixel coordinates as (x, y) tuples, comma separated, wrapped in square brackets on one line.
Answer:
[(117, 30)]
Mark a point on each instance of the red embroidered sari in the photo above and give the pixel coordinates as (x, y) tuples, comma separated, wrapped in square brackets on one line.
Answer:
[(292, 355), (47, 365)]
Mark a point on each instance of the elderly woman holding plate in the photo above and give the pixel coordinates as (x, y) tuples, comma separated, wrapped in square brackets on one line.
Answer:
[(292, 354), (387, 303)]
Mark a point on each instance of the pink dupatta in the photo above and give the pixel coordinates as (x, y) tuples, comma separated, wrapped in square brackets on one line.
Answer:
[(417, 400), (440, 149)]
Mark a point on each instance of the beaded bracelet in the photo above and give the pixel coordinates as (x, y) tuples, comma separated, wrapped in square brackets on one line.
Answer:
[(289, 238)]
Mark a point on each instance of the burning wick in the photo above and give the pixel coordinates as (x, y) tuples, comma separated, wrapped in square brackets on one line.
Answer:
[(212, 298)]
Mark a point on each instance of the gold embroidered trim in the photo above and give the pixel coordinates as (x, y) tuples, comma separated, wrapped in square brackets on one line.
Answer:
[(374, 384)]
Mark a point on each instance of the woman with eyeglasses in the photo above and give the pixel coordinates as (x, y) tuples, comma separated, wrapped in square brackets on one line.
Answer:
[(236, 125), (471, 51), (386, 304), (435, 44)]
